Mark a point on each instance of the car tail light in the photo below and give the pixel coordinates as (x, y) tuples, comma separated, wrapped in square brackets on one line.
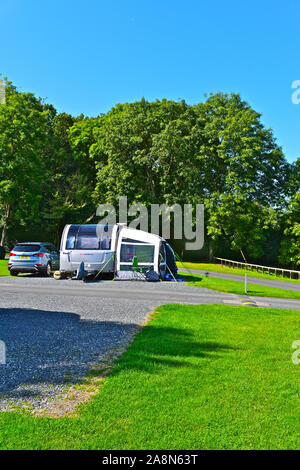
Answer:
[(12, 254), (40, 255), (39, 265)]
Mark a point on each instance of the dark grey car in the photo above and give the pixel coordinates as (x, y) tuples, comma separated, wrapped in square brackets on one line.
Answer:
[(33, 257)]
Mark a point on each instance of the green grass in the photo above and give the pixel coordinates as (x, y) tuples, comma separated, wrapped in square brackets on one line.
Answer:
[(237, 287), (3, 268), (221, 269), (196, 377)]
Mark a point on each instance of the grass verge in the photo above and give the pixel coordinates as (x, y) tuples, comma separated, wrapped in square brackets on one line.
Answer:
[(237, 287), (3, 268), (217, 268), (196, 377)]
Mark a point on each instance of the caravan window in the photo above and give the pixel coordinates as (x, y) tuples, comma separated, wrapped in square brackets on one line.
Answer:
[(70, 245), (89, 237)]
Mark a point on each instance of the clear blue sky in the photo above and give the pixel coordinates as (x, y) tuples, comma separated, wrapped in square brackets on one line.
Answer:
[(86, 56)]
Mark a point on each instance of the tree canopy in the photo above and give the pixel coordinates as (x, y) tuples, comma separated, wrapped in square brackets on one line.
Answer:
[(23, 140), (57, 168)]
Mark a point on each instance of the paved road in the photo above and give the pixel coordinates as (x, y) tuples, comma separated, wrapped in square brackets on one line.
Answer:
[(55, 330), (158, 293), (295, 286)]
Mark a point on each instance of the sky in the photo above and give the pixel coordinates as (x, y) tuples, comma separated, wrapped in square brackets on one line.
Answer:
[(87, 56)]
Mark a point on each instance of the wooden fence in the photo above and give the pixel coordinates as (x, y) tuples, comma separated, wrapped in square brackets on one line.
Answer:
[(264, 269)]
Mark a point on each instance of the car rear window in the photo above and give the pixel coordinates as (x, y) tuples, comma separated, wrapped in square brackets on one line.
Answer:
[(26, 248)]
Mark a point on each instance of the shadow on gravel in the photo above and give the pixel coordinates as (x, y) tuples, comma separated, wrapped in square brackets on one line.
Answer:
[(45, 351), (52, 347)]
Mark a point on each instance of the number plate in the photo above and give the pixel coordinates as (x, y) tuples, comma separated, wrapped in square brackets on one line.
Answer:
[(24, 257)]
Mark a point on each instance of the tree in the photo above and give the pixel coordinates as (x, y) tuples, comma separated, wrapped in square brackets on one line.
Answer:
[(23, 137), (290, 247), (244, 223), (127, 153), (246, 173), (241, 156), (217, 152), (294, 183), (72, 175)]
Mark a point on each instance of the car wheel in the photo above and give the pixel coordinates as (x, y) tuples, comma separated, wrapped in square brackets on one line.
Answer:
[(14, 273), (48, 270)]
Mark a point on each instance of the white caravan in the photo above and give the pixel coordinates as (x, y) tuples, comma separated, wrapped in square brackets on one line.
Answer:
[(114, 249)]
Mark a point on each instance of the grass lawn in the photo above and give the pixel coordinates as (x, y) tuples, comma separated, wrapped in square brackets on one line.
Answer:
[(196, 377), (3, 268), (237, 287), (241, 272)]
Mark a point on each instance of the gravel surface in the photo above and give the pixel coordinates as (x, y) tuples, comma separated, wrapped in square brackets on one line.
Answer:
[(53, 341)]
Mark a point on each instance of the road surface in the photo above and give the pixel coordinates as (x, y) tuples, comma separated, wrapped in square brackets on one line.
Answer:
[(295, 286), (158, 293)]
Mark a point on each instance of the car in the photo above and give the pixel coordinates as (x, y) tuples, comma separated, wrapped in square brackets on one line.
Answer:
[(33, 257)]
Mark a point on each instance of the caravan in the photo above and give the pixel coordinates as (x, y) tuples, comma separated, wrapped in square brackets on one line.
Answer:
[(114, 249)]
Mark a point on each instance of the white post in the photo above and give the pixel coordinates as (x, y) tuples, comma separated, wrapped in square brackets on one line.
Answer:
[(246, 282), (2, 352)]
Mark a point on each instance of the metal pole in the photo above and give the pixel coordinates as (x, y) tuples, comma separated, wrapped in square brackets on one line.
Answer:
[(246, 282)]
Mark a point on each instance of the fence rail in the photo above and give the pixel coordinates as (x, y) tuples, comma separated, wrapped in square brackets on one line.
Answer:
[(231, 264)]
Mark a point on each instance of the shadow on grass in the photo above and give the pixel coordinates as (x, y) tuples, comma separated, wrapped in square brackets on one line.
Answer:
[(158, 347)]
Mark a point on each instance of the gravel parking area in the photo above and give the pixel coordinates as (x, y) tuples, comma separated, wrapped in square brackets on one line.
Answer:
[(53, 341)]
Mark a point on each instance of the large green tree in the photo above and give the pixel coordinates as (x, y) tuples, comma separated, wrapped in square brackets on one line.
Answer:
[(217, 152), (23, 138), (290, 249), (68, 197), (140, 151), (294, 183), (248, 174), (241, 155)]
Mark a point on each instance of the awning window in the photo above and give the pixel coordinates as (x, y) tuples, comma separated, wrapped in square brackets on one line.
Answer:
[(144, 253)]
